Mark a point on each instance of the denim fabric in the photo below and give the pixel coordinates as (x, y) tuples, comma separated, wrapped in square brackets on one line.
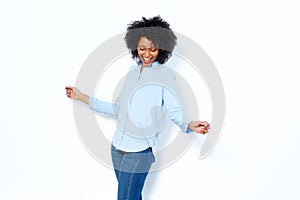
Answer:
[(131, 169)]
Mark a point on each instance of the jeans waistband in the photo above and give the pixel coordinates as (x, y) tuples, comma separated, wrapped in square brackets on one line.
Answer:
[(149, 149), (146, 150)]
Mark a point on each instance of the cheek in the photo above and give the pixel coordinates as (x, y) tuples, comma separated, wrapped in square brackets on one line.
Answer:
[(155, 54)]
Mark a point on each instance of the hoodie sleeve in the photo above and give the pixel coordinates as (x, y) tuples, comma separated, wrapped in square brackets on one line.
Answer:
[(172, 106), (104, 108)]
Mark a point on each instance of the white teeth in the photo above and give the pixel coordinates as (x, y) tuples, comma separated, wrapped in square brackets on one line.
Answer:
[(146, 59)]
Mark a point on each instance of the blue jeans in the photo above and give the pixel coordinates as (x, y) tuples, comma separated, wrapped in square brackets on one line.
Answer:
[(131, 169)]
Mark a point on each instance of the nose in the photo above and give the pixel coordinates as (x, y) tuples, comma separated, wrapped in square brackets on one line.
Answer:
[(147, 53)]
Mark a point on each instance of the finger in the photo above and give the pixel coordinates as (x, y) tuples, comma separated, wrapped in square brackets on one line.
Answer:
[(204, 123), (69, 88), (70, 96), (202, 130), (206, 126), (198, 123), (69, 93)]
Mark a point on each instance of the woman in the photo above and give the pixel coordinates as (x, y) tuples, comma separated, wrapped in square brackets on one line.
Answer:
[(150, 87)]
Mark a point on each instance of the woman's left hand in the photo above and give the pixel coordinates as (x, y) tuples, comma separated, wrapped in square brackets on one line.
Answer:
[(199, 126)]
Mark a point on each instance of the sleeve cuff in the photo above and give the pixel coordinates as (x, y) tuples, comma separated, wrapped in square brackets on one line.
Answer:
[(185, 128), (92, 103)]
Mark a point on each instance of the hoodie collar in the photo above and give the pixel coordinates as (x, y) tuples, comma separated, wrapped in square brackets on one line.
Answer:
[(153, 65)]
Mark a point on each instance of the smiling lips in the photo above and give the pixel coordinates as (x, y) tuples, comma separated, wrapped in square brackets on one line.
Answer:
[(147, 60)]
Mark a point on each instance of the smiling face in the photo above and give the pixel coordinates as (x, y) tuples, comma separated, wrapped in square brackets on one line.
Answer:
[(147, 51)]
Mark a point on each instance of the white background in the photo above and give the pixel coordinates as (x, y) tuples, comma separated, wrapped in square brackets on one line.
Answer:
[(254, 45)]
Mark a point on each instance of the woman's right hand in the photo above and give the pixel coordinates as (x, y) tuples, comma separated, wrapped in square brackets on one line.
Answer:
[(74, 93)]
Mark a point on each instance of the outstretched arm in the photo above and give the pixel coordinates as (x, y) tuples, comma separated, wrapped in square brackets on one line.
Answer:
[(95, 104), (177, 115)]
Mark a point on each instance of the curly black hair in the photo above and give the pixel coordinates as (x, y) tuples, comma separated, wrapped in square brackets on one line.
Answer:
[(157, 31)]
